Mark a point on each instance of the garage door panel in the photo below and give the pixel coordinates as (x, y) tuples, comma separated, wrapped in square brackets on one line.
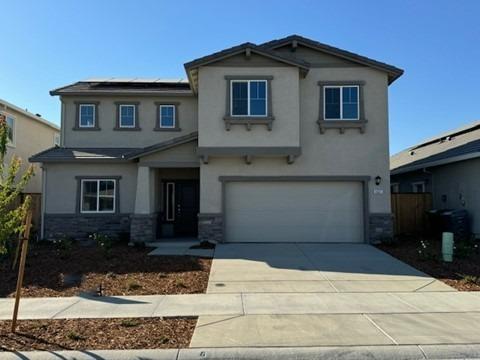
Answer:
[(294, 211)]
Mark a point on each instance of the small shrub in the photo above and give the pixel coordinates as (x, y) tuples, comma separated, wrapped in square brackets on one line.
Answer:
[(464, 249), (64, 245), (180, 283), (129, 323), (470, 279), (104, 242), (133, 286), (425, 251), (72, 335)]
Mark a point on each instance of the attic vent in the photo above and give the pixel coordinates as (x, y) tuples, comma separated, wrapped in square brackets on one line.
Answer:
[(412, 152)]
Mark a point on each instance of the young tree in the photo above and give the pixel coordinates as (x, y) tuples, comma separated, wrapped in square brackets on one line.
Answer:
[(12, 184)]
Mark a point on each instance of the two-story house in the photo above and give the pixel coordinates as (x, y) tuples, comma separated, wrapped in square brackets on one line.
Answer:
[(283, 141), (28, 134)]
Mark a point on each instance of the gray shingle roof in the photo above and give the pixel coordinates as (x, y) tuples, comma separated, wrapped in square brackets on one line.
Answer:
[(59, 154), (128, 86), (394, 72), (71, 154), (450, 145)]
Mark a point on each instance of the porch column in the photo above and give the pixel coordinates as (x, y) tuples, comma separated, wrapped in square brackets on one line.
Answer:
[(144, 220)]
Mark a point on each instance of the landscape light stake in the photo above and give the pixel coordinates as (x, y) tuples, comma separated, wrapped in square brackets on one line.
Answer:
[(21, 269)]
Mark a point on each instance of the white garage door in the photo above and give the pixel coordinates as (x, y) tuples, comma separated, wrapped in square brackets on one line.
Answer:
[(294, 212)]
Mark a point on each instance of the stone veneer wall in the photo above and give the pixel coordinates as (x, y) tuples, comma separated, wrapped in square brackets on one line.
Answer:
[(380, 228), (210, 227), (80, 226), (143, 228)]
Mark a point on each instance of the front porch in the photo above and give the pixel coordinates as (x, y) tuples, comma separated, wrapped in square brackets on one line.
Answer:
[(166, 204)]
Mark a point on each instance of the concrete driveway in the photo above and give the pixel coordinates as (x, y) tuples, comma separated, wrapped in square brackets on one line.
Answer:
[(314, 267), (331, 295)]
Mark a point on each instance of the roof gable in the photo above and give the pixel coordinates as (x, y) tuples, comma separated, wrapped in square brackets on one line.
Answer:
[(248, 50), (295, 40)]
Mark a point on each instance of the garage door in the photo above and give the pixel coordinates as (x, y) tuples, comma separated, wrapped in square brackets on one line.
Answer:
[(294, 211)]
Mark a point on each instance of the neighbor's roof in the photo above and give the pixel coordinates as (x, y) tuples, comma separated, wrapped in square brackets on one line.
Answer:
[(5, 104), (134, 86), (392, 71), (456, 145), (59, 154)]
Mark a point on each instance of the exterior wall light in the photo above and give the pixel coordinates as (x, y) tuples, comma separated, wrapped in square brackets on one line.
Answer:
[(378, 180)]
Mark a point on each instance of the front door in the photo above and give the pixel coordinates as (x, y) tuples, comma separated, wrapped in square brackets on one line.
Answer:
[(182, 201)]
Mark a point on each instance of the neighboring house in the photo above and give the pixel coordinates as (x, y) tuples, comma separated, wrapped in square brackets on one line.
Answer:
[(448, 166), (283, 141), (28, 134)]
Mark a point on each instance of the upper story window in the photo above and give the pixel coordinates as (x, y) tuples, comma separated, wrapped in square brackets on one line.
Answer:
[(56, 139), (167, 116), (86, 115), (11, 129), (248, 97), (98, 195), (341, 103), (126, 116)]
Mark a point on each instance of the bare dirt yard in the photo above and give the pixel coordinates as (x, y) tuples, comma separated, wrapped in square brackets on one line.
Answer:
[(425, 254), (126, 270)]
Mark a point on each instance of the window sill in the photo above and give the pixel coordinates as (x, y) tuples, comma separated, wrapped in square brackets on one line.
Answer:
[(127, 129), (248, 121), (166, 129), (77, 128), (341, 125)]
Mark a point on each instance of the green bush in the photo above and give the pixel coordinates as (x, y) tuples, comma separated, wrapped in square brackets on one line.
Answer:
[(104, 242)]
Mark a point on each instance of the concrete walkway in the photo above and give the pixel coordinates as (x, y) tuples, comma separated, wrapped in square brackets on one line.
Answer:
[(228, 305)]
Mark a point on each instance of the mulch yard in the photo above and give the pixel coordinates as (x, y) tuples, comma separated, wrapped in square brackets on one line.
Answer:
[(126, 271), (462, 274), (99, 334)]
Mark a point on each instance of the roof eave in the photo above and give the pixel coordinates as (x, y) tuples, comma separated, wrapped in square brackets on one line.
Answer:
[(409, 168), (393, 72)]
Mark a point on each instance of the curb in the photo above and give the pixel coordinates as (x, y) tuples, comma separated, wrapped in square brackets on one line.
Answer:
[(390, 352)]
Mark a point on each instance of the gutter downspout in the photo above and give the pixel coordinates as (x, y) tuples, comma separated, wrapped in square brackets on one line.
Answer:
[(44, 188), (62, 125)]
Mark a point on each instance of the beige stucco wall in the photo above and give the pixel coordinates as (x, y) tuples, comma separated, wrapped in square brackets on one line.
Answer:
[(107, 112), (332, 153), (61, 184), (185, 153), (459, 182), (31, 137), (212, 94)]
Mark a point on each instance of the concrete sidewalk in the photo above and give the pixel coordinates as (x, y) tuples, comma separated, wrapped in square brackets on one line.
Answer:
[(242, 304), (397, 352)]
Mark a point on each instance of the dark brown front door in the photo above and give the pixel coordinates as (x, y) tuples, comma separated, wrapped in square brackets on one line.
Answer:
[(182, 201)]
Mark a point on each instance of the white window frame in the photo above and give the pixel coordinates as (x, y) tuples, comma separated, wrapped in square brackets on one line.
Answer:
[(416, 183), (248, 97), (395, 185), (341, 101), (160, 116), (80, 116), (120, 116), (11, 143), (169, 216), (114, 196)]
